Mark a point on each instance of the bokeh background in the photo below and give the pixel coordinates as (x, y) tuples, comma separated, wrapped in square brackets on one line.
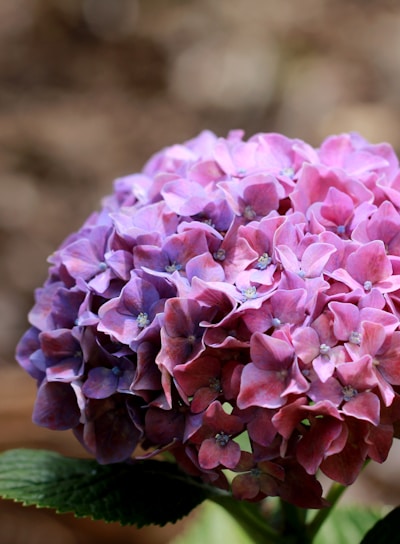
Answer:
[(89, 89)]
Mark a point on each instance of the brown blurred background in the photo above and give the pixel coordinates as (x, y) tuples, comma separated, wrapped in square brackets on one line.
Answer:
[(89, 89)]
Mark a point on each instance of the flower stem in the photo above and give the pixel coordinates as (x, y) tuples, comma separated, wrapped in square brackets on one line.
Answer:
[(293, 523), (335, 492)]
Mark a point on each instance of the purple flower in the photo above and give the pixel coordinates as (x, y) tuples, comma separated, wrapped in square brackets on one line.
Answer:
[(231, 288), (215, 437), (102, 382), (131, 316), (257, 480), (85, 258)]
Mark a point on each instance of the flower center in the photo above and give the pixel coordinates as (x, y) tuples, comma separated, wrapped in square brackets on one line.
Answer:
[(256, 472), (288, 172), (249, 292), (367, 285), (275, 322), (102, 266), (249, 213), (116, 371), (215, 384), (355, 338), (263, 261), (324, 349), (282, 374), (209, 222), (173, 267), (219, 255), (349, 392), (142, 320), (222, 439), (341, 229)]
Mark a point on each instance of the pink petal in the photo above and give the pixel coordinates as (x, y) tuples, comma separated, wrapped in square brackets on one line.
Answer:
[(269, 353), (315, 258), (260, 388), (369, 263), (315, 442), (364, 406)]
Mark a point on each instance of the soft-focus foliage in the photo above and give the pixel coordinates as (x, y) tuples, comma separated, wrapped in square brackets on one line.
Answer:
[(233, 286)]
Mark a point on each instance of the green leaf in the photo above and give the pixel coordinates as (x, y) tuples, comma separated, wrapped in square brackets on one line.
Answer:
[(347, 524), (213, 525), (140, 493), (386, 531)]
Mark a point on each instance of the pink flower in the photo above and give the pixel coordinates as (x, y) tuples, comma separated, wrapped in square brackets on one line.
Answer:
[(232, 288)]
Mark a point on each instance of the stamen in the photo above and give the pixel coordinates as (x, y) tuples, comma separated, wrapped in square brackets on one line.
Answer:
[(209, 222), (367, 285), (249, 213), (249, 292), (173, 267), (341, 229), (142, 320), (215, 384), (349, 392), (324, 349), (355, 338), (219, 255), (282, 374), (263, 261), (289, 172), (222, 439)]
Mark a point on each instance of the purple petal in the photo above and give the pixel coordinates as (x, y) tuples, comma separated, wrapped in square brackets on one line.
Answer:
[(80, 259), (56, 406), (100, 383), (185, 197)]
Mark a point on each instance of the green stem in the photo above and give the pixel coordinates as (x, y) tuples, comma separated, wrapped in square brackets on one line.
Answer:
[(248, 515), (335, 492), (293, 523)]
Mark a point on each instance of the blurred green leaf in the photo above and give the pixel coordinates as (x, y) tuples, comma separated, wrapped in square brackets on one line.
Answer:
[(347, 525), (386, 530), (213, 525)]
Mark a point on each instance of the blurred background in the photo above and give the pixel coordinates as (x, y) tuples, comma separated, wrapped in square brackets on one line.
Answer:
[(89, 89)]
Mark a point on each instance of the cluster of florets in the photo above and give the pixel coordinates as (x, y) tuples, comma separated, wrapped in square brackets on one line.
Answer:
[(236, 304)]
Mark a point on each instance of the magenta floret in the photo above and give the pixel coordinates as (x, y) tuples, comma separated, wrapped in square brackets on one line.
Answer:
[(237, 304)]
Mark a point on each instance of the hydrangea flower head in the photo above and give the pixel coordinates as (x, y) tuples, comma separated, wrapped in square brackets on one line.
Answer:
[(236, 304)]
